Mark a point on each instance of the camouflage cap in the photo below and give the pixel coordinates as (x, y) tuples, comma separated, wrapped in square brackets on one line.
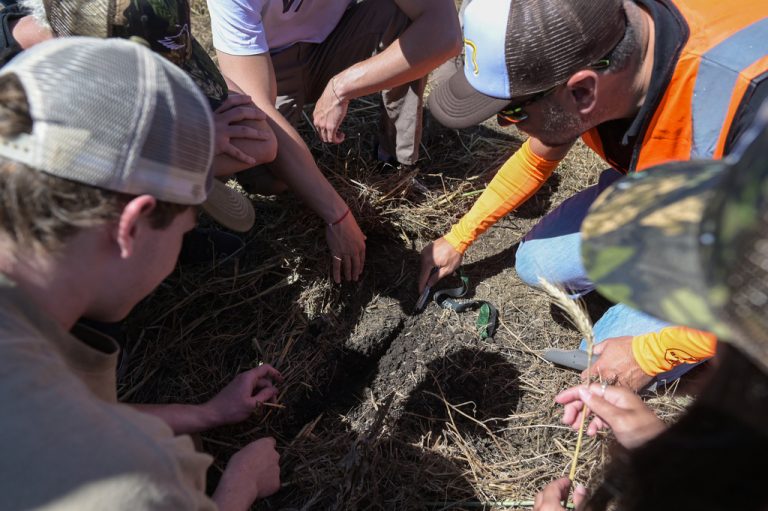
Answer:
[(688, 243), (164, 24)]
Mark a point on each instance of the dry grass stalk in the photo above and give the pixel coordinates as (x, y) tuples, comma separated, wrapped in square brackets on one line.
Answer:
[(276, 306), (581, 321)]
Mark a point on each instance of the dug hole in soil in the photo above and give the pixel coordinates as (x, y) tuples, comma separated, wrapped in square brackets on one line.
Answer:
[(381, 408)]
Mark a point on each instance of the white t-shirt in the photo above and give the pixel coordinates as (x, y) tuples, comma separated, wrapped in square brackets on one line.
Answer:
[(251, 27)]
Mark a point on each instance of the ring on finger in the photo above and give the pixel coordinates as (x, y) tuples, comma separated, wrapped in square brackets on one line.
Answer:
[(603, 386), (337, 258)]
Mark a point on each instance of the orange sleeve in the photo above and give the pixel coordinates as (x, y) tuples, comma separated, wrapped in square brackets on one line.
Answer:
[(515, 182), (658, 352)]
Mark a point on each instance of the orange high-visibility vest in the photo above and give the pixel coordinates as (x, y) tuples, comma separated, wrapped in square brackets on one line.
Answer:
[(725, 52)]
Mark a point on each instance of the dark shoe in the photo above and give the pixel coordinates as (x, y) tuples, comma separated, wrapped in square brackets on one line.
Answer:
[(209, 246), (382, 156)]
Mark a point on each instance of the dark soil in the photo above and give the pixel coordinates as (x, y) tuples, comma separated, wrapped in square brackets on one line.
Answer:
[(383, 408)]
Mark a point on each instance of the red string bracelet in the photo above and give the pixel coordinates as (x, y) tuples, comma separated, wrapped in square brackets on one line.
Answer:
[(341, 218)]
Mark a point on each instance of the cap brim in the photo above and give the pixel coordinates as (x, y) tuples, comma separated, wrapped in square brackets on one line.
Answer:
[(456, 104), (642, 244), (229, 207), (206, 75)]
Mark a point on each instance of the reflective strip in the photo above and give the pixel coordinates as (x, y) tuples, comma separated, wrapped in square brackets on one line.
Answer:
[(718, 72)]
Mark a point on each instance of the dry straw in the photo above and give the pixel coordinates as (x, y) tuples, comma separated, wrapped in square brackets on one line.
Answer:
[(274, 304), (581, 321)]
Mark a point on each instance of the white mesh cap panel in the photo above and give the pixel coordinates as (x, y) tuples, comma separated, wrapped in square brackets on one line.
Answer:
[(77, 17), (178, 112), (110, 113)]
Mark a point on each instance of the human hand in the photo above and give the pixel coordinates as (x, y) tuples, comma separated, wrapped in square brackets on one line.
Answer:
[(246, 392), (617, 408), (347, 244), (330, 110), (617, 363), (438, 254), (550, 498), (252, 473), (229, 124)]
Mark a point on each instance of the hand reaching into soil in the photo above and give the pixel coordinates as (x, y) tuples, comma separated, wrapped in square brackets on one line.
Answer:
[(252, 473), (347, 244), (617, 363), (550, 498), (438, 254), (617, 408), (245, 393)]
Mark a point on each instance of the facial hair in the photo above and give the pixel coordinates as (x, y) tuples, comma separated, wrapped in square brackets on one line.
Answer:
[(558, 125)]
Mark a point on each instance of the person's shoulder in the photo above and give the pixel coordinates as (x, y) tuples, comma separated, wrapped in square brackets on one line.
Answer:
[(130, 492), (79, 447), (148, 467), (57, 432), (241, 7)]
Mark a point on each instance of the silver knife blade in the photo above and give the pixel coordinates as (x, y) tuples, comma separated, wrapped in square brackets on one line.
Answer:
[(573, 359)]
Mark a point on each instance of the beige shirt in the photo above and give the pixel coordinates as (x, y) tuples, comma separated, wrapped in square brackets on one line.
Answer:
[(65, 441)]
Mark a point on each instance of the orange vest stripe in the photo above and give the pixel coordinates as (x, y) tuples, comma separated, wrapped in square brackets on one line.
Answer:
[(725, 52)]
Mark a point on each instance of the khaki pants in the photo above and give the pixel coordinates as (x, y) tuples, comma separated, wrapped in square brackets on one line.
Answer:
[(304, 69)]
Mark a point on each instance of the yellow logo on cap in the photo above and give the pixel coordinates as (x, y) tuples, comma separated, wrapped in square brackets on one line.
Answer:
[(473, 56)]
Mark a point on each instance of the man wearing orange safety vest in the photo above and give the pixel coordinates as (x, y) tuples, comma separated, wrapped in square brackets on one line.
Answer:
[(642, 83)]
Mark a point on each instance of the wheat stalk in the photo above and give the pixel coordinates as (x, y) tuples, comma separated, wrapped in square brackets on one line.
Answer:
[(581, 321)]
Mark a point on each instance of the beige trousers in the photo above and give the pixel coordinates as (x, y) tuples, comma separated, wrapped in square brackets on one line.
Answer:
[(304, 69)]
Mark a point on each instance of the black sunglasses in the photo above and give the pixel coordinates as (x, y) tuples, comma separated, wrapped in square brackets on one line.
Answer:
[(514, 113)]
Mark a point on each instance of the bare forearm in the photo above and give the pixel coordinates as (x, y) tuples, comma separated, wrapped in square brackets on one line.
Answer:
[(429, 41), (28, 33), (294, 163), (182, 419), (295, 166)]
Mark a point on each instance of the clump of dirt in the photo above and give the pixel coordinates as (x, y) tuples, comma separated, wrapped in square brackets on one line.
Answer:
[(381, 408)]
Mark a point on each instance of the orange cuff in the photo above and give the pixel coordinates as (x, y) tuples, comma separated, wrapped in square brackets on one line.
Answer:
[(517, 180), (659, 352)]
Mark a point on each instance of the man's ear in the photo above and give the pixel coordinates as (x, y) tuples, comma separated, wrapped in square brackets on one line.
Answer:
[(582, 87), (132, 219)]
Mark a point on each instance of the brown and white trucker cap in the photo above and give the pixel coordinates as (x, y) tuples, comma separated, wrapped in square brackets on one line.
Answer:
[(515, 48)]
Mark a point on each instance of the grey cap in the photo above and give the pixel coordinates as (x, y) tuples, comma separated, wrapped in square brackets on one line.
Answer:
[(112, 114)]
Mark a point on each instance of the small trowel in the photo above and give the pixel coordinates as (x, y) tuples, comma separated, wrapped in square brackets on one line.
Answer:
[(572, 359)]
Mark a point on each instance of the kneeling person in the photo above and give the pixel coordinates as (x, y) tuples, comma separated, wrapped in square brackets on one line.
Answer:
[(105, 154)]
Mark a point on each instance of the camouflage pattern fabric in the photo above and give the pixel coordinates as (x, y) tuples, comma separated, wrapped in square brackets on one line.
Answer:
[(688, 243), (164, 24), (206, 75)]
